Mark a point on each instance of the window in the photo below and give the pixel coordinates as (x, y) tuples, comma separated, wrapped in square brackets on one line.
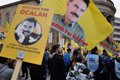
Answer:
[(116, 36), (117, 24), (116, 30)]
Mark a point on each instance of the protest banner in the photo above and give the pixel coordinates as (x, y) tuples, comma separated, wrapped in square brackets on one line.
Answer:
[(111, 45), (100, 49), (28, 33), (84, 25), (2, 35), (3, 32)]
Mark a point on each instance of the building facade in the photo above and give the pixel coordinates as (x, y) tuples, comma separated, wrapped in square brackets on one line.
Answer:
[(117, 29), (107, 9), (7, 11)]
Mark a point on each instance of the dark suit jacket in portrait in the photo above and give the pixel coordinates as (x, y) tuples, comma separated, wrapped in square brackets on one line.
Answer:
[(59, 25)]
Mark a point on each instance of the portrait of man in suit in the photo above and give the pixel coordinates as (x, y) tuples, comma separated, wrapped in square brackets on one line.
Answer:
[(2, 36), (28, 31), (68, 22)]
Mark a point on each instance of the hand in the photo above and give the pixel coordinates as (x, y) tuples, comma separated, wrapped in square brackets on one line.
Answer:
[(31, 39), (21, 37), (19, 32)]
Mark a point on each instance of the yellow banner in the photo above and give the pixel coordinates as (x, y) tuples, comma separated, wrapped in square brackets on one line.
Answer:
[(2, 35), (28, 34), (111, 45), (100, 48), (7, 26), (1, 29), (85, 25)]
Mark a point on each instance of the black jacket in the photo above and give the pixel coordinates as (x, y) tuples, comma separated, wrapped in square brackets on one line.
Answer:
[(57, 68)]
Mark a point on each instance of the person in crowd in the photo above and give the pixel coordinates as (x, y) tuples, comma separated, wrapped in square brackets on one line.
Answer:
[(38, 72), (46, 57), (46, 54), (24, 70), (67, 59), (79, 71), (85, 53), (76, 53), (116, 68), (5, 71), (107, 66), (94, 63), (56, 63), (11, 63)]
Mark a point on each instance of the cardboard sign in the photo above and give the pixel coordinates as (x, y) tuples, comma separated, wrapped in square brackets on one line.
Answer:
[(28, 33)]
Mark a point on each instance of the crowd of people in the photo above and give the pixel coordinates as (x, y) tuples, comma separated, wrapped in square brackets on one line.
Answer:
[(69, 65)]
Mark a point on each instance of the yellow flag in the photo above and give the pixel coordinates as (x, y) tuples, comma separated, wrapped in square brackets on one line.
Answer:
[(7, 26), (1, 35), (110, 53), (66, 45), (93, 27), (118, 47), (75, 45), (100, 48)]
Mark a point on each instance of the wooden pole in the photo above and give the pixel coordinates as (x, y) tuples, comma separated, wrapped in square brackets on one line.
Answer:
[(17, 69), (16, 72)]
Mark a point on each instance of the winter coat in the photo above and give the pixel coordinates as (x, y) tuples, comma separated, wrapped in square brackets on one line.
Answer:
[(5, 72)]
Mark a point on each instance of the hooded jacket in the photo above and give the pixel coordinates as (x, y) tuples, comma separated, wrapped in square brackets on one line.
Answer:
[(5, 72)]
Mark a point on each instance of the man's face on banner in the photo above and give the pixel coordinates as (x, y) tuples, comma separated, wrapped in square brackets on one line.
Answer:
[(28, 28), (75, 8)]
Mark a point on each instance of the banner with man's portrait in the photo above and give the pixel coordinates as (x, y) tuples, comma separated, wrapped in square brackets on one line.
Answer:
[(113, 47), (2, 35), (79, 20), (28, 34)]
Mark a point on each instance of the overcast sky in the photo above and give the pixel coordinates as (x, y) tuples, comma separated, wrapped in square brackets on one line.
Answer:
[(116, 2), (117, 6), (2, 2)]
